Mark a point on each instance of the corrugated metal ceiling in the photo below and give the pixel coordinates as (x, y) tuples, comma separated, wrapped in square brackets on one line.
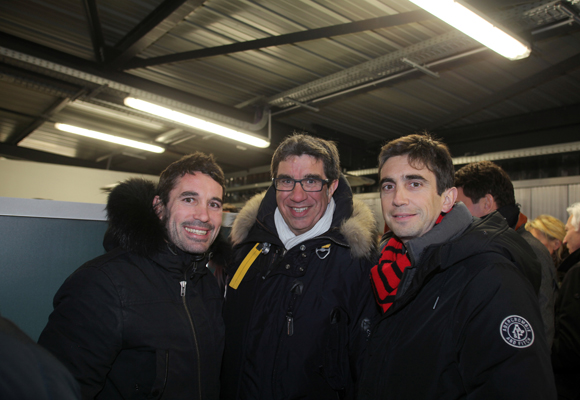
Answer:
[(73, 61)]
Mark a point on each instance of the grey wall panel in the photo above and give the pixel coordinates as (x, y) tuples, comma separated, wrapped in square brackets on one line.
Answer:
[(573, 194), (524, 198), (551, 200), (36, 256)]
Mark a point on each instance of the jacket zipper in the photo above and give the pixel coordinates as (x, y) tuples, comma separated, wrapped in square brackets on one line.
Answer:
[(296, 291), (183, 285), (290, 316)]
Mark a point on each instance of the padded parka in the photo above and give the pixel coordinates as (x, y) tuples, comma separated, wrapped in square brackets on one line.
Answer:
[(466, 322), (142, 321), (297, 322)]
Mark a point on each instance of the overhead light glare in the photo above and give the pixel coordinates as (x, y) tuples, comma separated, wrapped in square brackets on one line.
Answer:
[(108, 138), (194, 122), (473, 25)]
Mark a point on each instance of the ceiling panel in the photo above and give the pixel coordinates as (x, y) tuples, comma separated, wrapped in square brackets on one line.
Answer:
[(48, 74)]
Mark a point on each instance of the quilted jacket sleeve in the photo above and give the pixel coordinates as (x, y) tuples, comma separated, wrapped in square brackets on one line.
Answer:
[(85, 329), (501, 344)]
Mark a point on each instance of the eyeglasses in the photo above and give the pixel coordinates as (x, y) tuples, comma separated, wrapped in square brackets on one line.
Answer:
[(308, 184)]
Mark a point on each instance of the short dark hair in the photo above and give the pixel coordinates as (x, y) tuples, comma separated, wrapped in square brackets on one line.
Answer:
[(484, 177), (422, 150), (189, 164), (299, 144)]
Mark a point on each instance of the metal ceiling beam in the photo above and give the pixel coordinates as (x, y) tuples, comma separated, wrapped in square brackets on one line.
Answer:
[(543, 76), (55, 108), (95, 30), (37, 82), (22, 153), (296, 37), (42, 52), (552, 118), (160, 21), (542, 128), (17, 113)]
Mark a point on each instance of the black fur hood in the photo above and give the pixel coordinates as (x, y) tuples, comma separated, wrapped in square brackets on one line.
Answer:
[(133, 223)]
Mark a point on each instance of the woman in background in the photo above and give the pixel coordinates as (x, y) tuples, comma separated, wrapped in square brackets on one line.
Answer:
[(550, 231)]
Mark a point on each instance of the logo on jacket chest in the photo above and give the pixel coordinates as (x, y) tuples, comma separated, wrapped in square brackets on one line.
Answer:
[(517, 331)]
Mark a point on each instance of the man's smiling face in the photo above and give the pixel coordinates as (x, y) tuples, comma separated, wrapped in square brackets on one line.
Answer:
[(409, 198), (193, 214), (302, 210)]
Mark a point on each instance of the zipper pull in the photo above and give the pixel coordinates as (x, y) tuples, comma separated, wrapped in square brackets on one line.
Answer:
[(290, 322), (183, 284)]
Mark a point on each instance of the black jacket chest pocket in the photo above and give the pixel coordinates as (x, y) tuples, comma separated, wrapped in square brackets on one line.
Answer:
[(139, 374)]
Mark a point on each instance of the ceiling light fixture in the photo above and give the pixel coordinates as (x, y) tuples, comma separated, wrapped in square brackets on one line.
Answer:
[(108, 138), (195, 122), (477, 27)]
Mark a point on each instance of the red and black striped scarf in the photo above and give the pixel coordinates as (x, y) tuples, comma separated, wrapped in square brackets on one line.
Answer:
[(387, 274)]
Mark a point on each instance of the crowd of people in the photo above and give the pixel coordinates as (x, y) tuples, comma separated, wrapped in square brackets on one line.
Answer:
[(463, 297)]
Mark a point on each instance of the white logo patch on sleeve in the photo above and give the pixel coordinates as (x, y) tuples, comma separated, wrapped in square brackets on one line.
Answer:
[(517, 331)]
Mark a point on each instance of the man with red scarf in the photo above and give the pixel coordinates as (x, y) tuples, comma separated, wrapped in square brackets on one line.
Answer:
[(458, 294)]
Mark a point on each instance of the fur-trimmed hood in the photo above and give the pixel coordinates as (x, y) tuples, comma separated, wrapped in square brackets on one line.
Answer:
[(353, 218), (133, 223)]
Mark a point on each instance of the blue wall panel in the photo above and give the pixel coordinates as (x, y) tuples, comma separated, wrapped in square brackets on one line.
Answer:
[(36, 256)]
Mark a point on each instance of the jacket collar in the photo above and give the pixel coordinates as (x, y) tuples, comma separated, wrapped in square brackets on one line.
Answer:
[(353, 223), (180, 262), (452, 225), (569, 261)]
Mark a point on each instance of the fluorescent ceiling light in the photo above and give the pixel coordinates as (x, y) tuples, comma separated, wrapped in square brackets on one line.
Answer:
[(476, 27), (109, 138), (194, 122)]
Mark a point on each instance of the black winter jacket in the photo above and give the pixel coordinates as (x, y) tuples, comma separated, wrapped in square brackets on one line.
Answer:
[(296, 325), (142, 321), (29, 372), (466, 322), (566, 346)]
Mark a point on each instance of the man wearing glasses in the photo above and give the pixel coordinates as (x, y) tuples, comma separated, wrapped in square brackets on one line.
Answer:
[(298, 302)]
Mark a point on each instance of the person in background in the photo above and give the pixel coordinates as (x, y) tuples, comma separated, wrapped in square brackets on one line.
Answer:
[(566, 347), (29, 372), (298, 304), (460, 313), (144, 320), (484, 188), (550, 231)]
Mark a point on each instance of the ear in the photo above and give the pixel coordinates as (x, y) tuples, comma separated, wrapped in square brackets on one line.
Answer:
[(158, 207), (555, 244), (449, 196), (489, 204), (332, 188)]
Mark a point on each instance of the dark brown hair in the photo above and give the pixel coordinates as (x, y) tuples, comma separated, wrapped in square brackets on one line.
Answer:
[(480, 178), (300, 144), (422, 150), (189, 164)]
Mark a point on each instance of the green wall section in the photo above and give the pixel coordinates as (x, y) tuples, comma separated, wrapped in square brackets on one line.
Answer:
[(36, 256)]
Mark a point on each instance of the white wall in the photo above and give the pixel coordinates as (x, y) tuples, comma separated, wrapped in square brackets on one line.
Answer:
[(31, 180), (547, 196)]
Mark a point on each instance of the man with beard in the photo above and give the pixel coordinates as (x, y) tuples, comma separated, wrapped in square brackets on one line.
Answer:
[(144, 319)]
